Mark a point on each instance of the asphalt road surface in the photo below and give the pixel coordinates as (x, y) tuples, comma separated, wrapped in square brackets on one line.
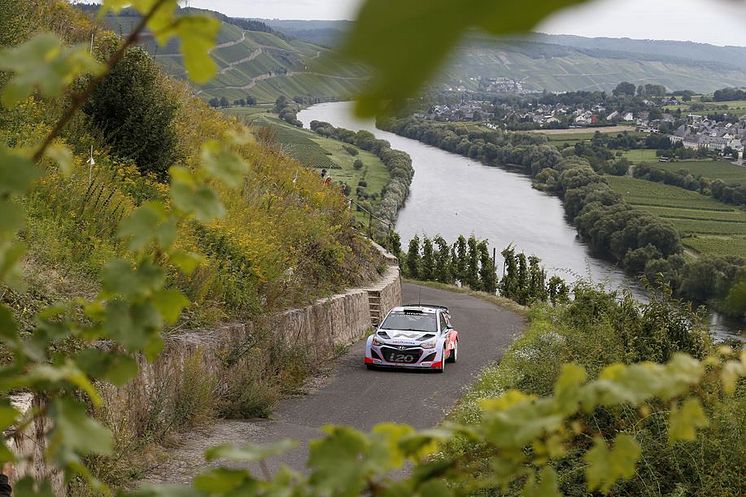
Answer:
[(355, 396), (361, 398)]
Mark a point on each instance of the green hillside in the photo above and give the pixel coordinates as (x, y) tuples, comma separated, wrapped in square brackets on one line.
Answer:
[(554, 67), (568, 63), (262, 64)]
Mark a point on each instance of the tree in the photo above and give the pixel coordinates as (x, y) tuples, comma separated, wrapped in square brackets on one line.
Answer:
[(624, 89), (358, 164), (472, 264), (537, 291), (427, 265), (442, 261), (413, 258), (224, 102), (459, 259), (135, 116), (487, 273), (281, 103), (250, 101), (557, 290), (523, 279)]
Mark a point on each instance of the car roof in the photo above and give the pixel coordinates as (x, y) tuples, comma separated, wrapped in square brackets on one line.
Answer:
[(424, 308)]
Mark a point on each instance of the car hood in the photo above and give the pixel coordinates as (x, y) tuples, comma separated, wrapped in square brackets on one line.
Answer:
[(406, 336)]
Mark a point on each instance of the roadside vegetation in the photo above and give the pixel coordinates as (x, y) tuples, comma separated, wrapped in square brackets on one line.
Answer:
[(598, 328), (469, 263)]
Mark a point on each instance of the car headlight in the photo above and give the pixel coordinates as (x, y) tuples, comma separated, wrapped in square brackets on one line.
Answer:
[(377, 341), (430, 344)]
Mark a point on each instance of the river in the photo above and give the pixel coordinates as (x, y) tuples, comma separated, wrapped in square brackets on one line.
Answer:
[(452, 195)]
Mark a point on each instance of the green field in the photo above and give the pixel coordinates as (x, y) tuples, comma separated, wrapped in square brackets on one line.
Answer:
[(317, 152), (714, 169), (641, 155), (736, 106), (735, 246), (707, 226)]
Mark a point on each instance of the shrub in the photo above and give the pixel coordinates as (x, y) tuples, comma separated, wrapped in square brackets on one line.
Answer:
[(135, 116), (351, 150)]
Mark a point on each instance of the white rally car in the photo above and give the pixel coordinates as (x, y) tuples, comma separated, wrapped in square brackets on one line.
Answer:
[(413, 336)]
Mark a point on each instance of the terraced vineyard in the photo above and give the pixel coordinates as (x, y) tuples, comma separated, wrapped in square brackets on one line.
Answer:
[(260, 64), (707, 226), (723, 170)]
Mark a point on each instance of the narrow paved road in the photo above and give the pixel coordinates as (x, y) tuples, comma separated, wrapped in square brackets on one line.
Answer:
[(354, 396)]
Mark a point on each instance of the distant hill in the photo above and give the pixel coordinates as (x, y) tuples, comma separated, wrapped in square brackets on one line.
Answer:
[(565, 63), (731, 56), (265, 58), (256, 60), (325, 33)]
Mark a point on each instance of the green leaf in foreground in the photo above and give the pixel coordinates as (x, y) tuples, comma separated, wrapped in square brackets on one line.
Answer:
[(16, 172), (170, 302), (249, 453), (76, 433), (405, 41), (222, 481), (43, 64), (149, 223), (545, 487), (337, 462), (223, 164), (62, 156), (193, 198), (165, 491), (198, 35), (685, 419), (607, 466)]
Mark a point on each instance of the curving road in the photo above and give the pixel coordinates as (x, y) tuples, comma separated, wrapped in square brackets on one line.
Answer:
[(354, 396)]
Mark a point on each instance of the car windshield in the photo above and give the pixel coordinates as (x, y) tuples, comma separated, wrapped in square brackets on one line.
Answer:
[(410, 321)]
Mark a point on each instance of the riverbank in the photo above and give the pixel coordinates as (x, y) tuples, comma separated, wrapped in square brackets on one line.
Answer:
[(454, 195), (641, 243)]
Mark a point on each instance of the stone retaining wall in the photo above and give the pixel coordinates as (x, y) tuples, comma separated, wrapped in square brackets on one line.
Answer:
[(322, 327)]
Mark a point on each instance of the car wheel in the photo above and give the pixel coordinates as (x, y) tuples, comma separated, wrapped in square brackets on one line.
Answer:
[(454, 353)]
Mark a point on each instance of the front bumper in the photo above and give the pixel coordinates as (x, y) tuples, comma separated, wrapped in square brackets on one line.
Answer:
[(397, 356)]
